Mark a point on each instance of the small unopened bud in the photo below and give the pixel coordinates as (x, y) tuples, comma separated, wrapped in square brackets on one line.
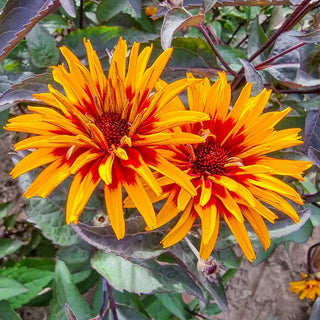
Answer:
[(211, 268)]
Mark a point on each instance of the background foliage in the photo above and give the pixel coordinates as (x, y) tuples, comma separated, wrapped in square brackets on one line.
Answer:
[(273, 45)]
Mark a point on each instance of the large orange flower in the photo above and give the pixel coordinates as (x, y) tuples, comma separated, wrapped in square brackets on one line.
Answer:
[(233, 177), (104, 129)]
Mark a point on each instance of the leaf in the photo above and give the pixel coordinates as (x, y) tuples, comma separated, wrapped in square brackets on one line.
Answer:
[(103, 38), (312, 37), (32, 278), (68, 6), (107, 9), (4, 116), (69, 313), (8, 246), (314, 156), (315, 312), (256, 39), (253, 76), (126, 312), (232, 56), (173, 302), (174, 20), (136, 5), (10, 287), (136, 244), (42, 47), (66, 292), (17, 19), (143, 276), (6, 312), (23, 91), (209, 5), (48, 213), (288, 234), (312, 131), (4, 209)]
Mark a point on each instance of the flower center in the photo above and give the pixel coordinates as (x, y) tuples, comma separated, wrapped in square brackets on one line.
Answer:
[(210, 158), (113, 127)]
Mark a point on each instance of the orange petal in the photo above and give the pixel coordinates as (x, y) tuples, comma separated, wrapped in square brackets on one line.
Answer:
[(113, 199), (183, 226), (240, 232), (84, 183)]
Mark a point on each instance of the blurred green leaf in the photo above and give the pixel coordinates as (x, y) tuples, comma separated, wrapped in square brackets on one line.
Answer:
[(75, 256), (10, 287), (103, 38), (6, 312), (174, 20), (173, 302), (53, 22), (42, 47), (136, 244), (8, 246), (65, 291), (129, 275), (256, 39), (209, 5), (136, 5), (34, 279), (69, 313), (4, 116), (4, 209), (18, 18), (110, 8), (126, 312), (232, 56)]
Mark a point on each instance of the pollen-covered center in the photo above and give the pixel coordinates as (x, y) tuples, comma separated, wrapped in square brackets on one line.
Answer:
[(113, 127), (210, 158)]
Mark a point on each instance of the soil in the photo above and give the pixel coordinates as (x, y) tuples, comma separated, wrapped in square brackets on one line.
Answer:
[(255, 292)]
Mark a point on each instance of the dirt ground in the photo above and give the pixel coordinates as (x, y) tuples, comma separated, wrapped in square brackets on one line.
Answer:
[(255, 292)]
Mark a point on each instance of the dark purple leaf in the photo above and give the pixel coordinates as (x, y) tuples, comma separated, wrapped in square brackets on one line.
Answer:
[(17, 19), (312, 131), (137, 243), (22, 92), (253, 76)]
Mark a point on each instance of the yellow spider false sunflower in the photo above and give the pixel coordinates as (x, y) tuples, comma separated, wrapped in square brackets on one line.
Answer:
[(309, 287), (233, 177), (105, 129)]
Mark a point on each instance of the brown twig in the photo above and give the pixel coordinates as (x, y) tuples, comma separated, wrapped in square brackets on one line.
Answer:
[(296, 16), (203, 30)]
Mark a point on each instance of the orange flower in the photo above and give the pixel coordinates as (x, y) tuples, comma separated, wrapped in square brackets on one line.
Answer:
[(150, 11), (104, 129), (233, 177), (309, 287)]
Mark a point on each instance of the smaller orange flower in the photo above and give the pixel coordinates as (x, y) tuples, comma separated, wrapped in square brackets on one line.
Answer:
[(151, 11), (309, 287)]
